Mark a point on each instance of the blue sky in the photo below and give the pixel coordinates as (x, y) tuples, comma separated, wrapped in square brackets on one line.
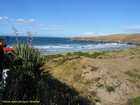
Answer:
[(70, 18)]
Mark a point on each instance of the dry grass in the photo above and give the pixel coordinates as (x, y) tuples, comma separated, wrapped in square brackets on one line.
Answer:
[(117, 62), (119, 38)]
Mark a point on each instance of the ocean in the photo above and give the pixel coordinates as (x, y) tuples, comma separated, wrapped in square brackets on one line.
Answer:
[(53, 45)]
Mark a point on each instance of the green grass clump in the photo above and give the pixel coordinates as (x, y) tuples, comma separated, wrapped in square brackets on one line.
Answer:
[(50, 57), (94, 55), (64, 59), (110, 88), (99, 85), (87, 82), (135, 101), (133, 74), (70, 56)]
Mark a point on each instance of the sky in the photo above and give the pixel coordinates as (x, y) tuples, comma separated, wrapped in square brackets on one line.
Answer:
[(69, 18)]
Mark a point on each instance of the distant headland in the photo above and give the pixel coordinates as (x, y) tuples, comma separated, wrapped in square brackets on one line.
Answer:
[(114, 38)]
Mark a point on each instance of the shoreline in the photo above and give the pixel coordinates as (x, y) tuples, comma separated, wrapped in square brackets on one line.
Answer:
[(88, 51)]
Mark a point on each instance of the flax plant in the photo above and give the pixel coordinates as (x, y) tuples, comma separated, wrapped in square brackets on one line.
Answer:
[(28, 68)]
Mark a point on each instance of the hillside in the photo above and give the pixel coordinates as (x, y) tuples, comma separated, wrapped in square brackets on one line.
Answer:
[(104, 77), (115, 38)]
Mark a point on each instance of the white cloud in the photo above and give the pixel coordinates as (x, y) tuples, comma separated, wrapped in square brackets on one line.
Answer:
[(3, 17), (133, 28), (22, 21), (88, 33), (31, 23), (31, 20)]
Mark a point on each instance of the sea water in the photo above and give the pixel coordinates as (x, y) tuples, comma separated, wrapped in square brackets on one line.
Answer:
[(52, 45)]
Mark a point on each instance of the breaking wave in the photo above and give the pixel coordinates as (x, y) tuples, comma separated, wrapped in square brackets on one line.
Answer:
[(58, 48)]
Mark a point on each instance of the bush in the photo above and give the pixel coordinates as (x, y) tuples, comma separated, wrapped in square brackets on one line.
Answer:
[(99, 85), (135, 101), (26, 73), (133, 74), (110, 88), (94, 55), (28, 81)]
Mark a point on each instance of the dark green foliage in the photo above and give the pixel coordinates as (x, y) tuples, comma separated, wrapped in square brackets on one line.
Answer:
[(71, 56), (50, 57), (133, 74), (94, 55), (134, 101), (28, 66), (60, 59), (110, 88), (99, 85), (28, 81), (64, 59), (87, 82)]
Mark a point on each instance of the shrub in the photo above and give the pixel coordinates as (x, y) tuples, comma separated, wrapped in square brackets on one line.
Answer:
[(110, 88), (87, 82), (135, 101), (28, 81), (26, 73), (133, 74), (99, 85), (94, 55)]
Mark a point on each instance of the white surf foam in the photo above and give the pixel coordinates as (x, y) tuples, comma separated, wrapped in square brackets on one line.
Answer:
[(80, 47)]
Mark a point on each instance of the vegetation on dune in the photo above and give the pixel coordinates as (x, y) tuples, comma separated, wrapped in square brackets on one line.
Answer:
[(109, 54), (99, 85), (134, 101), (93, 55), (28, 80), (80, 68), (60, 59), (110, 88), (26, 74), (81, 64), (51, 57), (133, 74)]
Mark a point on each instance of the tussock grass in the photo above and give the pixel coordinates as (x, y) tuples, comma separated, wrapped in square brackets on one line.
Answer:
[(110, 88), (85, 54), (133, 74), (99, 85), (134, 101)]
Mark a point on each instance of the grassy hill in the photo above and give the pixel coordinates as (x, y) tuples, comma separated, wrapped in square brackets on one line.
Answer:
[(117, 38), (103, 77)]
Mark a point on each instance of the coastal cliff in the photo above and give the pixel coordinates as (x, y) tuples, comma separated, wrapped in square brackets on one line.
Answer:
[(115, 38)]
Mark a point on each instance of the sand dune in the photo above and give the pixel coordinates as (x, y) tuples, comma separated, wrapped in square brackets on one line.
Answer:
[(104, 77)]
